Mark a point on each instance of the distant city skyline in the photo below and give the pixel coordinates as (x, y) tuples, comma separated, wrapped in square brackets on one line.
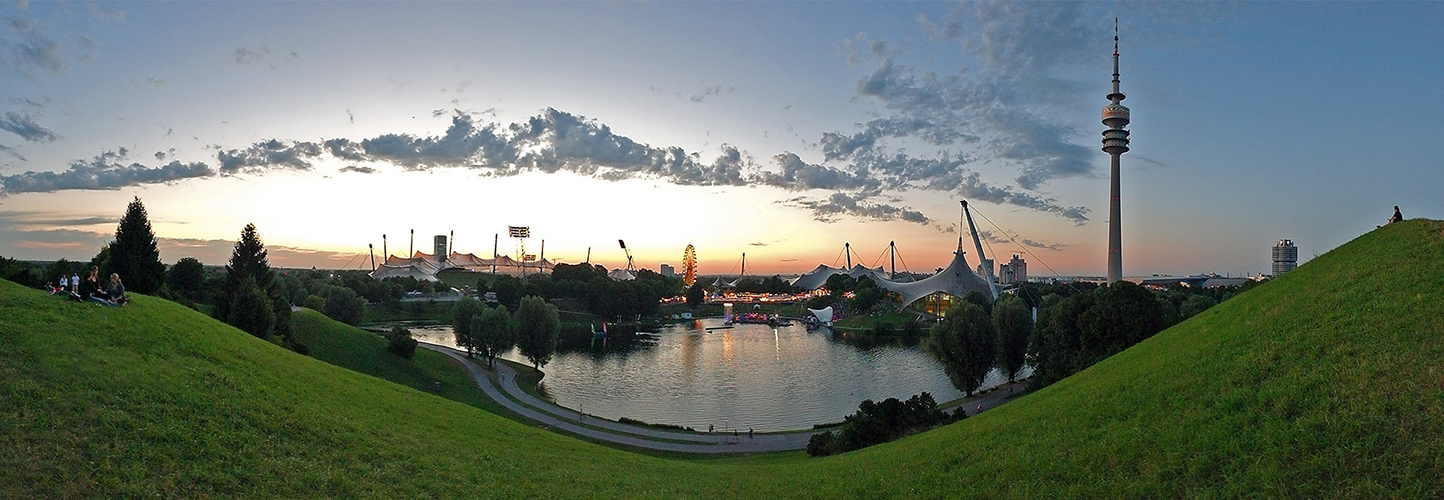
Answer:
[(782, 130)]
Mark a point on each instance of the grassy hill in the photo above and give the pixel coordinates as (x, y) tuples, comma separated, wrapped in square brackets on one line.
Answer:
[(356, 349), (1326, 382)]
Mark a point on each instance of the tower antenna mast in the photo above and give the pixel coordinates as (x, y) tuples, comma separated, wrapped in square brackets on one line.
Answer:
[(1115, 143)]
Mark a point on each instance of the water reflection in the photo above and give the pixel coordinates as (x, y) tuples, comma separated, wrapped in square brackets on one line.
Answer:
[(694, 377)]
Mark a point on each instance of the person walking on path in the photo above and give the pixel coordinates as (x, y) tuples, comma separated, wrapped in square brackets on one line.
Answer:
[(1398, 217)]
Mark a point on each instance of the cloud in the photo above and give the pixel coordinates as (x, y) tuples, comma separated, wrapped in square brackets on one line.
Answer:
[(800, 175), (1002, 110), (859, 48), (359, 170), (11, 152), (711, 90), (828, 210), (105, 13), (1046, 246), (23, 125), (950, 28), (266, 154), (973, 188), (102, 172), (26, 51), (262, 55)]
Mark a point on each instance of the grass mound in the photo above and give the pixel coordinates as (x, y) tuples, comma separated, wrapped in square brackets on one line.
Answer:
[(1325, 382)]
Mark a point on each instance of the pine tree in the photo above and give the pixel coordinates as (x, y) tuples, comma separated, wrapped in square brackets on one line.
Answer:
[(248, 261), (133, 254)]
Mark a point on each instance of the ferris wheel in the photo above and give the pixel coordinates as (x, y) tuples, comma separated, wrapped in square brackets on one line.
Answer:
[(689, 266)]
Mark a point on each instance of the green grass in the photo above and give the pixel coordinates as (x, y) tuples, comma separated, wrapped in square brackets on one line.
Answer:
[(1323, 383), (362, 351)]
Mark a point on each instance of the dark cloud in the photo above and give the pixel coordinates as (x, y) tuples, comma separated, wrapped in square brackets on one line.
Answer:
[(838, 204), (711, 90), (799, 175), (359, 170), (859, 48), (262, 55), (465, 143), (268, 154), (757, 244), (973, 188), (23, 125), (26, 51), (1039, 244), (9, 151), (102, 172), (1003, 110)]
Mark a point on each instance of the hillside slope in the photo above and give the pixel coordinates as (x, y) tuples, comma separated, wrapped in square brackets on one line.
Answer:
[(1325, 382)]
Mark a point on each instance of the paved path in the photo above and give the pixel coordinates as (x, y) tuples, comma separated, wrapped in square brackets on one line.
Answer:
[(552, 415)]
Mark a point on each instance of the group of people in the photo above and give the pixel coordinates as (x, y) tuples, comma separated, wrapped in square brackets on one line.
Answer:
[(90, 289)]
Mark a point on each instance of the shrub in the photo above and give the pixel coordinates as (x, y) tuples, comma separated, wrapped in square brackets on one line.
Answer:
[(400, 343)]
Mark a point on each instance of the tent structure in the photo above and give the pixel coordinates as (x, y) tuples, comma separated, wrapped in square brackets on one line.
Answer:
[(423, 266), (957, 280), (817, 277)]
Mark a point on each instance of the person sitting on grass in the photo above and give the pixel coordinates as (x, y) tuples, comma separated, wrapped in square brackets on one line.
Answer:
[(1397, 217), (90, 288), (116, 291)]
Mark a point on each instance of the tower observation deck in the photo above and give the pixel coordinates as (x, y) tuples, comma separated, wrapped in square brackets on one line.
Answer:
[(1115, 143)]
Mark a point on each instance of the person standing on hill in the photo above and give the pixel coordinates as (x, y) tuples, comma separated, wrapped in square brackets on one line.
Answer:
[(1398, 217)]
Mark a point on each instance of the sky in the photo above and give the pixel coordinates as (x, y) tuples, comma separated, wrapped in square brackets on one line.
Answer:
[(783, 130)]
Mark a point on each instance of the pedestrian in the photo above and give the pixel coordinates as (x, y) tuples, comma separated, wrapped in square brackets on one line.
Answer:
[(749, 433), (709, 428), (74, 283), (980, 407)]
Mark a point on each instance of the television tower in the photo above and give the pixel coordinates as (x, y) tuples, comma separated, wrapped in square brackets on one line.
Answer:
[(1115, 143)]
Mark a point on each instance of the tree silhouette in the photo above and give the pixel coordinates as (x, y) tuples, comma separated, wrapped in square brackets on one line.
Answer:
[(133, 254)]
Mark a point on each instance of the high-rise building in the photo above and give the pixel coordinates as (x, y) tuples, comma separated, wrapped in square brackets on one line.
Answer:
[(667, 270), (1015, 271), (1115, 143), (987, 267), (1286, 256)]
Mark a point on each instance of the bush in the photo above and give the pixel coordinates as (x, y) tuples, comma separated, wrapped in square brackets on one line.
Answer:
[(400, 343), (315, 303), (879, 423)]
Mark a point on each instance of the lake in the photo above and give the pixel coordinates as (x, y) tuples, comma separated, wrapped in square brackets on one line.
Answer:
[(754, 376)]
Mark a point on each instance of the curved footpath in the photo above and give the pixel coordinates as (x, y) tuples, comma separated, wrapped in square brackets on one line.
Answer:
[(552, 415)]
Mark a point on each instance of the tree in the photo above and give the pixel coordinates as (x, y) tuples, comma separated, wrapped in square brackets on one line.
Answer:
[(963, 342), (1196, 304), (133, 254), (867, 294), (60, 269), (494, 332), (248, 261), (508, 289), (696, 294), (187, 278), (400, 343), (342, 304), (537, 326), (462, 316), (1014, 324), (18, 272), (250, 310)]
